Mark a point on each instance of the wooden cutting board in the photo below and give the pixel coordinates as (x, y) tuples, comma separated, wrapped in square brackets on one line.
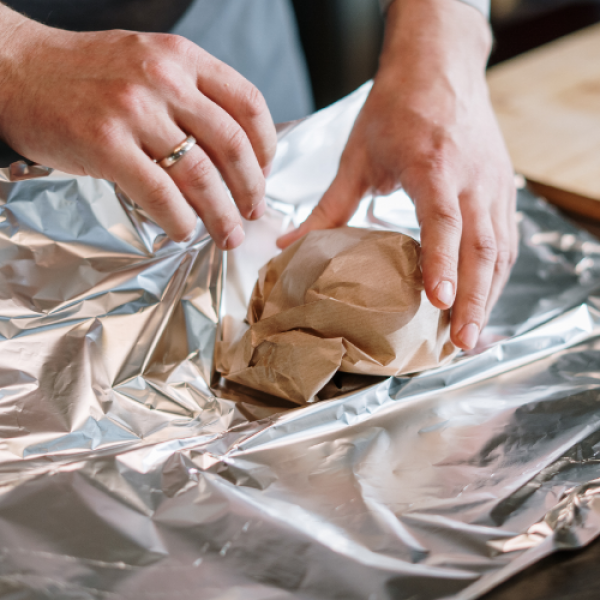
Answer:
[(548, 105)]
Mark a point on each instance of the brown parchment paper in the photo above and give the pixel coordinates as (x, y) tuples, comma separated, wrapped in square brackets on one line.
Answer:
[(347, 299)]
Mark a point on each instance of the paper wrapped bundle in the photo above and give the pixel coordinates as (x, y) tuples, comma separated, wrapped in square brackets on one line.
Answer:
[(345, 299)]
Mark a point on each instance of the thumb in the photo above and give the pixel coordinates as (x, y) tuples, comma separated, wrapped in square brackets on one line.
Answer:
[(335, 208)]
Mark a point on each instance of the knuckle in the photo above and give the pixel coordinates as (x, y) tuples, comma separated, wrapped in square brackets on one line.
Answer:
[(439, 255), (253, 101), (165, 77), (159, 63), (133, 41), (106, 134), (130, 98), (198, 173), (503, 260), (222, 225), (176, 44), (158, 71), (236, 142), (437, 154), (445, 218), (476, 300), (256, 191), (157, 199), (328, 216), (485, 249)]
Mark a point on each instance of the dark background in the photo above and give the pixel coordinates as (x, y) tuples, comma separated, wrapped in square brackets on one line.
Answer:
[(342, 38)]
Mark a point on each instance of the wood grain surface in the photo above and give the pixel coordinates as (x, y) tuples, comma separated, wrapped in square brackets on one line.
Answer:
[(548, 105)]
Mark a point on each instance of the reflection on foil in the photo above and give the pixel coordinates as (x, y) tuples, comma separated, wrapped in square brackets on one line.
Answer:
[(128, 470), (22, 170)]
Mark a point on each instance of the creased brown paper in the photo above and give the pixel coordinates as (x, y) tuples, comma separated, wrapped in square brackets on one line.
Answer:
[(345, 299)]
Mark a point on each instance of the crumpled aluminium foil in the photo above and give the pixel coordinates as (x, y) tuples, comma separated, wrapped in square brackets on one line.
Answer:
[(127, 470)]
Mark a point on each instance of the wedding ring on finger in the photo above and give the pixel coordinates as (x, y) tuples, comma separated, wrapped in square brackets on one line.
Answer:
[(178, 153)]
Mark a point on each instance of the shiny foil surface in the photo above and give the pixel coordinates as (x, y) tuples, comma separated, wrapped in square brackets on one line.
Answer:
[(129, 470)]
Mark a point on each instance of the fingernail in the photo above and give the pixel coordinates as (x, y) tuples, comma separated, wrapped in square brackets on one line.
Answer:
[(236, 237), (258, 211), (469, 335), (267, 170), (445, 293), (187, 240)]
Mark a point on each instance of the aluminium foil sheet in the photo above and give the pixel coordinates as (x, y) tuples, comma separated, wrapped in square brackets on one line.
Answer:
[(128, 470)]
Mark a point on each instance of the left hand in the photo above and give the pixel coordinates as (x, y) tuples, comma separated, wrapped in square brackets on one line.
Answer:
[(428, 127)]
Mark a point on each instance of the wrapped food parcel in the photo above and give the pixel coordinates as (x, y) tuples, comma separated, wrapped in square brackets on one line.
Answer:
[(128, 469), (347, 299)]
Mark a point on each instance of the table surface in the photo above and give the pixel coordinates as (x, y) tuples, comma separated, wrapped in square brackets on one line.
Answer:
[(567, 575), (548, 105)]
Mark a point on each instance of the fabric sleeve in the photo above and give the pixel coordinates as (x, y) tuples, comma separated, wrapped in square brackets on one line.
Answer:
[(482, 6)]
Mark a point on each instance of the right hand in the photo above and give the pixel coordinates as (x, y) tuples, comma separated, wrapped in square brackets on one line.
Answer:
[(107, 103)]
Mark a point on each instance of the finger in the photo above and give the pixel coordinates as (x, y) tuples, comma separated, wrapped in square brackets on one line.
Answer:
[(335, 208), (199, 182), (242, 100), (148, 185), (477, 259), (229, 148), (505, 229), (439, 214)]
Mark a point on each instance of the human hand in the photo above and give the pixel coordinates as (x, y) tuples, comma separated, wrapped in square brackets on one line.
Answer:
[(428, 126), (106, 103)]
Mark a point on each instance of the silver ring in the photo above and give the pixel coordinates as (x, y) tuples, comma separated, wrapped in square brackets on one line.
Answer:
[(178, 153)]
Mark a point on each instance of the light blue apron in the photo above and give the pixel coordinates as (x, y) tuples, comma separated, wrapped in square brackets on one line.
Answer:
[(259, 39)]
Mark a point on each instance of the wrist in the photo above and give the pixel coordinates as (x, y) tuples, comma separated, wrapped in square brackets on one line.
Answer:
[(436, 34)]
